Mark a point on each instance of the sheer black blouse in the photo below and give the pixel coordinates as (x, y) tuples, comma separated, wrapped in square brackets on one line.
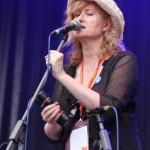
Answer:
[(118, 88)]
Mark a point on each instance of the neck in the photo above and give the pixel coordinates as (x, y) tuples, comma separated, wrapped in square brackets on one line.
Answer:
[(91, 48)]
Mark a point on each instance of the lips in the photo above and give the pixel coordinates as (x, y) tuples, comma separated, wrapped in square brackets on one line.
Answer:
[(82, 26)]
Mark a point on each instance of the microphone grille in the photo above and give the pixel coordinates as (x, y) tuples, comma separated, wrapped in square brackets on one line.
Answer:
[(77, 24)]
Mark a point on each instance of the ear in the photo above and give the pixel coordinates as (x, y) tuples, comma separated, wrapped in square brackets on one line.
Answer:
[(107, 25)]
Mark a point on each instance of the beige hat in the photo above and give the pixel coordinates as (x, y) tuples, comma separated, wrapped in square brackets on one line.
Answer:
[(115, 13)]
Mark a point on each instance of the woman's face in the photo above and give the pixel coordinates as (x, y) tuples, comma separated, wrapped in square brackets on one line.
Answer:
[(92, 22)]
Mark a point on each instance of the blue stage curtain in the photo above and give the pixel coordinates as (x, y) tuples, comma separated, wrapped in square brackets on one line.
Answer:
[(24, 29)]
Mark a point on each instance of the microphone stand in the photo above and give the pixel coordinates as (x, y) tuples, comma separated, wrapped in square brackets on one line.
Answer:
[(17, 135), (104, 143)]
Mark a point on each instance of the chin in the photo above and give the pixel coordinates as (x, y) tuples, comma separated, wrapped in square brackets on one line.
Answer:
[(79, 36)]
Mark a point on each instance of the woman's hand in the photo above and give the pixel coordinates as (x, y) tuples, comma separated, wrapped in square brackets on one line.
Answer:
[(51, 113), (56, 61)]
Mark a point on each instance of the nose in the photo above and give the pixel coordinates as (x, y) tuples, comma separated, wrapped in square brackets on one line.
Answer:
[(81, 17)]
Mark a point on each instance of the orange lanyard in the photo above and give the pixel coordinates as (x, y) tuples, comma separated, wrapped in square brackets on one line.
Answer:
[(90, 82)]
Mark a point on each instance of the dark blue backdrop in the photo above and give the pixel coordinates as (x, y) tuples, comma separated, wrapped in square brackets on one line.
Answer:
[(24, 29)]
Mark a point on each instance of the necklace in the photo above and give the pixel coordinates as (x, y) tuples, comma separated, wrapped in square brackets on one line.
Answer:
[(90, 71), (89, 74)]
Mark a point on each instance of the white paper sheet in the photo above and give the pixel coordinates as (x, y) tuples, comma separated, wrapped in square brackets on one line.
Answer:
[(79, 139)]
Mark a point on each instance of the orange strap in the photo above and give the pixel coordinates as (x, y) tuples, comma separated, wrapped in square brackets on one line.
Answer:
[(90, 82)]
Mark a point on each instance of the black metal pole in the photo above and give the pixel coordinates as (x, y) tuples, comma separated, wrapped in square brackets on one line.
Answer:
[(21, 124), (104, 137)]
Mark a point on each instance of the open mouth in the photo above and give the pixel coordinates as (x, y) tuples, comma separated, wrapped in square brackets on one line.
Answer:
[(82, 26)]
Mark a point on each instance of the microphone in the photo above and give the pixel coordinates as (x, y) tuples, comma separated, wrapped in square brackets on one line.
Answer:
[(74, 25), (44, 100), (99, 110)]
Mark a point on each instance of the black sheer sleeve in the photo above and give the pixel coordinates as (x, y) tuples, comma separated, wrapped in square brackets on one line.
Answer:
[(121, 87)]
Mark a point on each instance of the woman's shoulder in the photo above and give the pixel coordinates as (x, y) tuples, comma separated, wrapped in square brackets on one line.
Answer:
[(125, 54), (121, 56)]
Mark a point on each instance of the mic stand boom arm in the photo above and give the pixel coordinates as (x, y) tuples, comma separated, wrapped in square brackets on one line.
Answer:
[(18, 131)]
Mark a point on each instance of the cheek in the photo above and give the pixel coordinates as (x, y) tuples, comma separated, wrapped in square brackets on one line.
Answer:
[(97, 28)]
